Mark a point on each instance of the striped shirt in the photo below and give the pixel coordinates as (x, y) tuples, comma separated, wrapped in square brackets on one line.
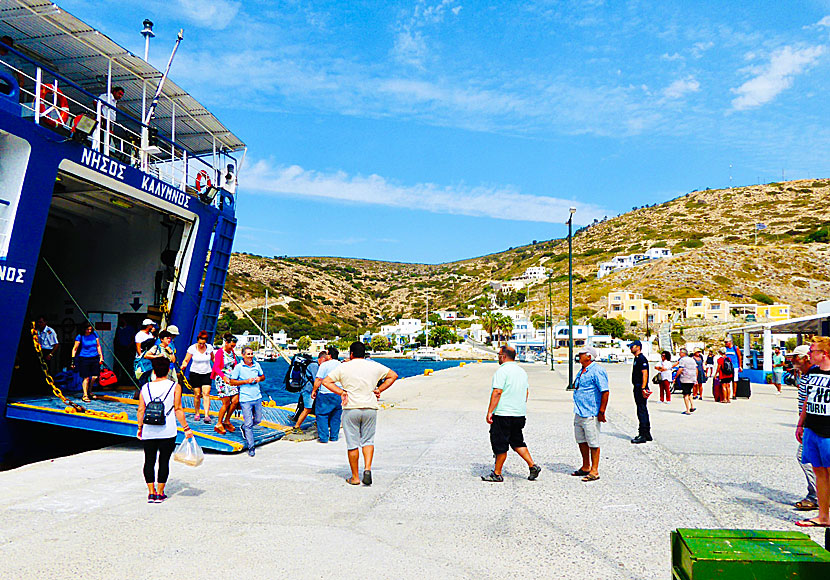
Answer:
[(802, 390)]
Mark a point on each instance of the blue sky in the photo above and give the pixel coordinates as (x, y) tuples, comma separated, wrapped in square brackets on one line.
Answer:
[(439, 130)]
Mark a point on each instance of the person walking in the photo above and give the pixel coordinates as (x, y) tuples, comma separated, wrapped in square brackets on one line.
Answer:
[(802, 366), (813, 429), (247, 375), (725, 375), (734, 354), (87, 358), (201, 354), (144, 340), (686, 379), (307, 393), (777, 368), (361, 384), (506, 415), (159, 441), (590, 401), (665, 368), (328, 407), (697, 392), (639, 379), (49, 344), (224, 362)]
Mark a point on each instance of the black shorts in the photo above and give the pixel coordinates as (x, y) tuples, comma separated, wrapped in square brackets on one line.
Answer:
[(686, 388), (199, 380), (87, 366), (506, 432)]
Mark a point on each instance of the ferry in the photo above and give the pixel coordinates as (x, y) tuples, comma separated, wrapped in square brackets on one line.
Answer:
[(427, 353), (108, 216)]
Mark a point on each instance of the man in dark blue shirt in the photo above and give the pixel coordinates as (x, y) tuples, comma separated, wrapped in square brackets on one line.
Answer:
[(639, 378)]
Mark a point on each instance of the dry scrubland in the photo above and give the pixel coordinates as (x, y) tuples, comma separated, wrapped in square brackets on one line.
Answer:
[(711, 234)]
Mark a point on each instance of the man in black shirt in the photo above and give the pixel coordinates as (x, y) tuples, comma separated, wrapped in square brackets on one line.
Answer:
[(639, 378)]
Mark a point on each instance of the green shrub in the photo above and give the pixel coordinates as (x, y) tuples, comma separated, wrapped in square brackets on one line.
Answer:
[(763, 298), (660, 244), (591, 252), (820, 235), (692, 243)]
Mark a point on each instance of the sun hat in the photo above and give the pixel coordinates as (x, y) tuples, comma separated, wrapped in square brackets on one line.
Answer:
[(148, 322), (173, 329)]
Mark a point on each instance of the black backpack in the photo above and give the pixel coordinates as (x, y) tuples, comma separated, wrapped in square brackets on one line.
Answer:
[(727, 368), (296, 377), (154, 413)]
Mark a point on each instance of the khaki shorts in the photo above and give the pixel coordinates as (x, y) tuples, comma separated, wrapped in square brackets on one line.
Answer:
[(586, 430)]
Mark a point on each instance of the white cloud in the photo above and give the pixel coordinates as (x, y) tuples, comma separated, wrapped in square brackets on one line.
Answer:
[(492, 202), (681, 87), (671, 57), (823, 23), (776, 76), (410, 48), (213, 14)]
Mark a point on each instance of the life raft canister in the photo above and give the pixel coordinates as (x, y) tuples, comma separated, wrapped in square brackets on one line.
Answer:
[(203, 180), (54, 108)]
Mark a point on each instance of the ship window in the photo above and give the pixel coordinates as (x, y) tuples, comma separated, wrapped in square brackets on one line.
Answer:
[(14, 157)]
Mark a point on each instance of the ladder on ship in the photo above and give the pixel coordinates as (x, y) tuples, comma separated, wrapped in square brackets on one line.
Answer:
[(216, 274)]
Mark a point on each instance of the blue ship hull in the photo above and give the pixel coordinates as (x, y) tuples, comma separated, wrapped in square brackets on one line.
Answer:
[(54, 159)]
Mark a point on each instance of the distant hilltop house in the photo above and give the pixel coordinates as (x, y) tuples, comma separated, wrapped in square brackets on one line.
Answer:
[(529, 276), (507, 285), (447, 314), (634, 308), (622, 262), (705, 308)]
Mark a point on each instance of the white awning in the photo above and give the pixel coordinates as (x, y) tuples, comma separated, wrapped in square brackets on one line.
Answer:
[(805, 325), (82, 54)]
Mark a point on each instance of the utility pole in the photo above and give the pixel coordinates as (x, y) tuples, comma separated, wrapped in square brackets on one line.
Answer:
[(550, 307), (571, 300)]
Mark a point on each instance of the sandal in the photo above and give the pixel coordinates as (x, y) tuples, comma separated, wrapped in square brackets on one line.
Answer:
[(350, 482), (590, 477), (86, 399), (219, 429), (493, 477), (230, 428), (806, 505), (580, 473), (811, 524), (197, 417)]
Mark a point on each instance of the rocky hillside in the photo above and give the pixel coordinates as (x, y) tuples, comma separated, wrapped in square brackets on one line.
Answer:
[(711, 234)]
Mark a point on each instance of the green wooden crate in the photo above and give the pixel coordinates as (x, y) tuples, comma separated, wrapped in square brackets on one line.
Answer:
[(747, 555)]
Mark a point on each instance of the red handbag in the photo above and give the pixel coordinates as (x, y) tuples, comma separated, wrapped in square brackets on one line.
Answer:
[(107, 377)]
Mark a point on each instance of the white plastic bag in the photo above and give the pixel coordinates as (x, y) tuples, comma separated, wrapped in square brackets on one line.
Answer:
[(189, 453)]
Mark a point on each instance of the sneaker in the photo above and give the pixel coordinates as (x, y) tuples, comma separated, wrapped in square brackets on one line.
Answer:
[(694, 409), (151, 498), (160, 498), (493, 478), (251, 452), (641, 439), (535, 470)]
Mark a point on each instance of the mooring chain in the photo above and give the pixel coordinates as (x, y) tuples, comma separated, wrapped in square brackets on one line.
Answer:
[(49, 381)]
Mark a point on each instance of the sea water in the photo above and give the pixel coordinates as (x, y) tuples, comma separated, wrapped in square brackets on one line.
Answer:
[(273, 385)]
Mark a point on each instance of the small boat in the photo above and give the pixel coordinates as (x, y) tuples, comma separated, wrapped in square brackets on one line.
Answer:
[(427, 353)]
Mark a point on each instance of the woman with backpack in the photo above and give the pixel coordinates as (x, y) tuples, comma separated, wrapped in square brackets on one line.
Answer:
[(726, 373), (224, 362), (157, 427)]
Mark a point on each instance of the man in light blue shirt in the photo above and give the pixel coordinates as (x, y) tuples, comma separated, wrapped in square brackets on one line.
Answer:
[(590, 401), (247, 375), (506, 414), (328, 408)]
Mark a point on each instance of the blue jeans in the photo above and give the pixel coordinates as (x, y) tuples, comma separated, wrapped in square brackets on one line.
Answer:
[(251, 415), (328, 413)]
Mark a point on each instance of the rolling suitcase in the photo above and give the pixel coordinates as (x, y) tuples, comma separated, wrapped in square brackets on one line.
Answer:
[(716, 390), (743, 391)]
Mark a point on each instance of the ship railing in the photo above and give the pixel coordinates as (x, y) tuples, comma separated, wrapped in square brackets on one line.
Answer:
[(56, 102)]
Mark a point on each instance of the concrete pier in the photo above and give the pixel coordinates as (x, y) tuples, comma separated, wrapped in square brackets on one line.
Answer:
[(288, 512)]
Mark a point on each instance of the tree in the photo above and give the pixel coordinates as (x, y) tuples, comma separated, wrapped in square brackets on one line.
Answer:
[(504, 325), (379, 343), (611, 326), (304, 342), (442, 335), (489, 322)]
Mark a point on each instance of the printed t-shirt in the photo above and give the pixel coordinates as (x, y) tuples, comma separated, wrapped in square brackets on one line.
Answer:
[(89, 346), (244, 372), (48, 338), (590, 383), (778, 362), (640, 365), (166, 391), (688, 369), (324, 371), (359, 378), (512, 380), (200, 362), (818, 402)]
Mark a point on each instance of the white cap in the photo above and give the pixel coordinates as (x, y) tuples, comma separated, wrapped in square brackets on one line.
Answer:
[(148, 322), (589, 350), (173, 329), (802, 350)]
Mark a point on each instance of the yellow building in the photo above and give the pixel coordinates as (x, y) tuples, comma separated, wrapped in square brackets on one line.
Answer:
[(707, 309), (634, 308), (773, 312)]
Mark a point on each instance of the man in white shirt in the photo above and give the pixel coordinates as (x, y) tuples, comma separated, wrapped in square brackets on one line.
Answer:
[(109, 113), (362, 381), (49, 344)]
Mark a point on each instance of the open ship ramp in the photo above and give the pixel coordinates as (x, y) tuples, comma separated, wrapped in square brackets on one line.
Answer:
[(114, 414)]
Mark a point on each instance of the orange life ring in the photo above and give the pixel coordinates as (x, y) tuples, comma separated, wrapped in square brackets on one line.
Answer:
[(201, 177), (49, 95)]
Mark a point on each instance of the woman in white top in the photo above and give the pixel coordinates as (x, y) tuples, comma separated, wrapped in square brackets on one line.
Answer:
[(665, 367), (160, 440), (201, 354)]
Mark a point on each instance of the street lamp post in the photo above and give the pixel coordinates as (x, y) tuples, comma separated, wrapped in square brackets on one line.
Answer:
[(571, 300)]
